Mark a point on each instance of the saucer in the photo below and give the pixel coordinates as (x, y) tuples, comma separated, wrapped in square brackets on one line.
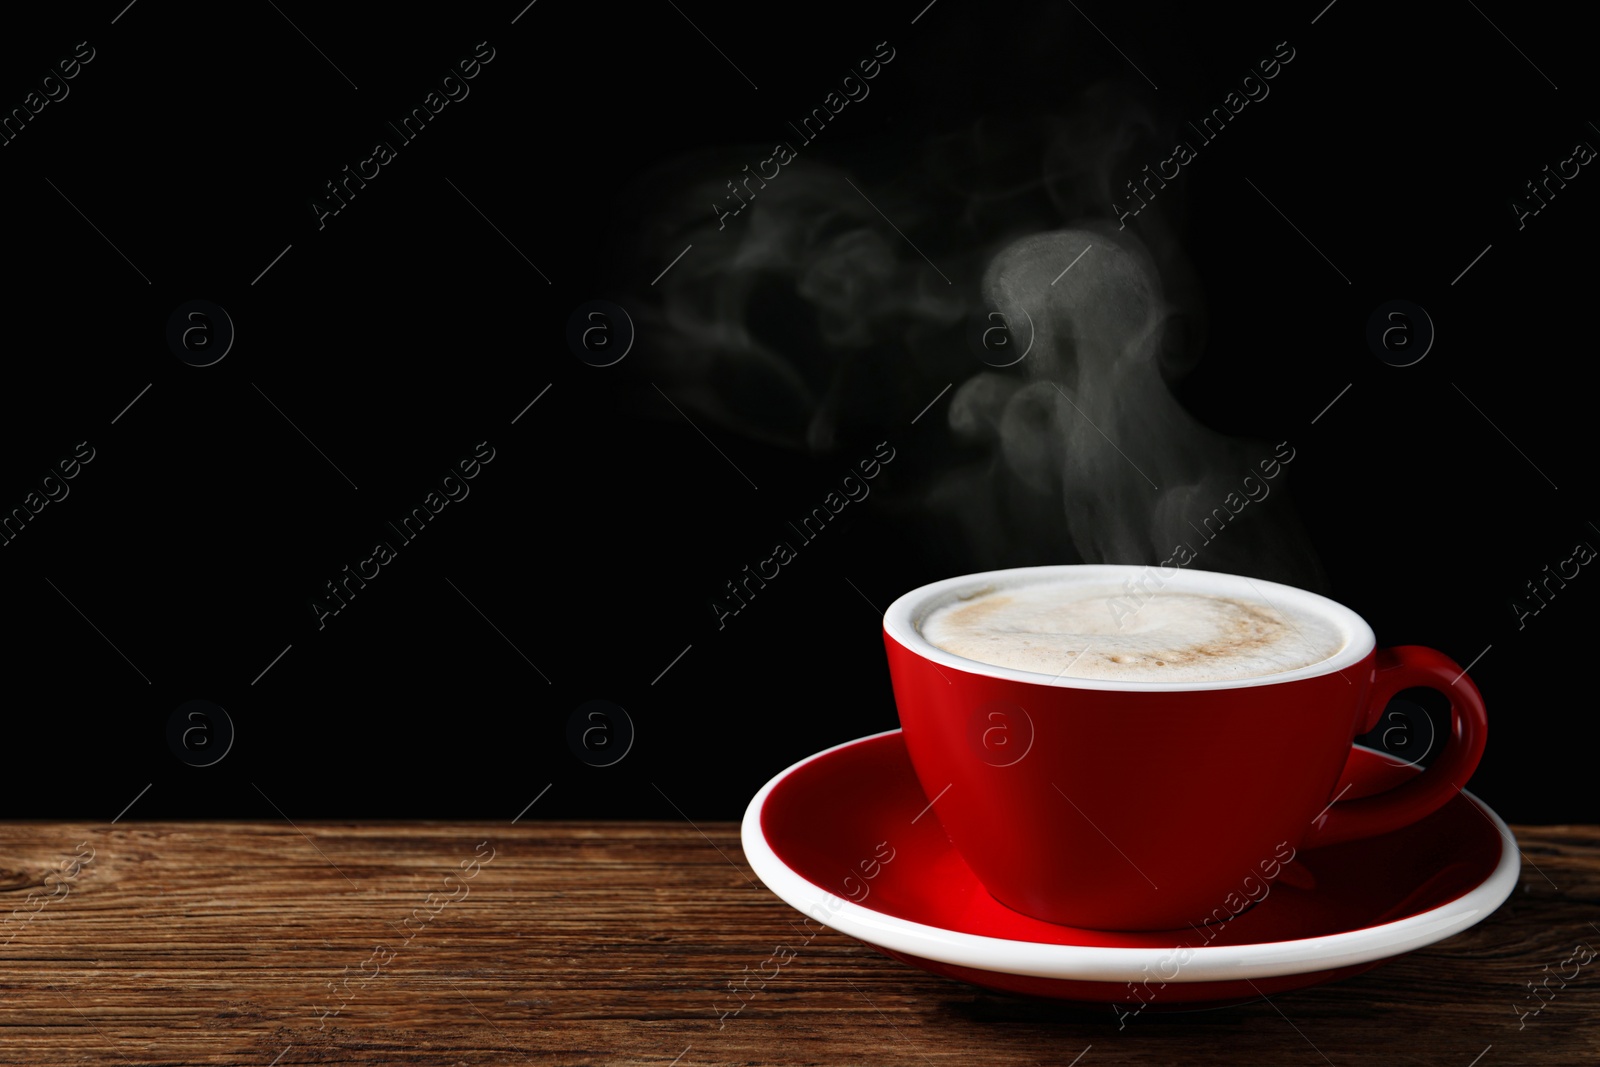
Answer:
[(849, 838)]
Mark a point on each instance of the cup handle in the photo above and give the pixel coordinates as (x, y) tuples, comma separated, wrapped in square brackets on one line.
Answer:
[(1398, 668)]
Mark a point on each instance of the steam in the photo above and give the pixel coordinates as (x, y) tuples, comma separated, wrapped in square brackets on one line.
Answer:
[(792, 321), (1091, 431), (811, 322)]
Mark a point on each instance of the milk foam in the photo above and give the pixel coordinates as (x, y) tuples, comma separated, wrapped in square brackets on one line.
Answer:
[(1076, 629)]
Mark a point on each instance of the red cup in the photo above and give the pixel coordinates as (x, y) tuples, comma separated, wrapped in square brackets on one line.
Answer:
[(1140, 805)]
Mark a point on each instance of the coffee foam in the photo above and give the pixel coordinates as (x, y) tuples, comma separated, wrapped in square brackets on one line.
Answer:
[(1077, 629)]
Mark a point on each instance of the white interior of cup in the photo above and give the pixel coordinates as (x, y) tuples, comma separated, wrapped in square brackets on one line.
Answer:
[(904, 617)]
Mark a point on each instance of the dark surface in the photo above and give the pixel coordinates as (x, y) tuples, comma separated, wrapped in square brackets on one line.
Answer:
[(392, 341)]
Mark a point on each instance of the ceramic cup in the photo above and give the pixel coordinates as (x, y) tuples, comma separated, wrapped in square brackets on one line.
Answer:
[(1146, 805)]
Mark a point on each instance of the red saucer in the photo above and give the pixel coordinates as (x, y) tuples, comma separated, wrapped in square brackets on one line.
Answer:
[(848, 837)]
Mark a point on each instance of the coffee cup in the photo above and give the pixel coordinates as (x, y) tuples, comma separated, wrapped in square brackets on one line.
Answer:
[(1122, 747)]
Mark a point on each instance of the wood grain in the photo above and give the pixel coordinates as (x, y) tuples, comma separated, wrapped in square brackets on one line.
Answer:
[(614, 943)]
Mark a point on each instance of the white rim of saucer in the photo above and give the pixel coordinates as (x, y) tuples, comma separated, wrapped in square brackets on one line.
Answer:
[(906, 613), (1211, 963)]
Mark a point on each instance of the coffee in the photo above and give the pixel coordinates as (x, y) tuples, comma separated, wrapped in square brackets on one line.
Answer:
[(1112, 747), (1089, 628)]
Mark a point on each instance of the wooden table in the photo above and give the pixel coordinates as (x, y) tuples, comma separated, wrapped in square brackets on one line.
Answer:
[(615, 943)]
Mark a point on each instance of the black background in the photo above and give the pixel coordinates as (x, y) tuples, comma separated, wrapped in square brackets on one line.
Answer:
[(584, 561)]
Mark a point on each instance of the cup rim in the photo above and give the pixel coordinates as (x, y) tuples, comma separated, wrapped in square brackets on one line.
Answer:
[(900, 623)]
